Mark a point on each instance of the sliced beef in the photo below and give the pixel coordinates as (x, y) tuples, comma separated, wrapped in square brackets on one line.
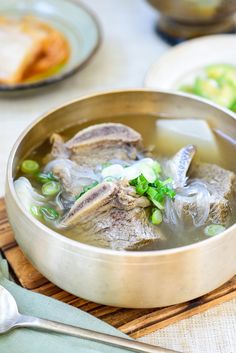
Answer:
[(101, 143), (221, 185), (75, 162), (219, 180), (72, 176), (98, 144), (58, 150), (104, 134), (114, 215), (203, 191)]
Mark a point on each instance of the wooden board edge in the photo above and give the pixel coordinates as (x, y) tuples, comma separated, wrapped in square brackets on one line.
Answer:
[(177, 318)]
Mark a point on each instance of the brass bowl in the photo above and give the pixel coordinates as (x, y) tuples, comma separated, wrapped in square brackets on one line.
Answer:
[(184, 19), (142, 279)]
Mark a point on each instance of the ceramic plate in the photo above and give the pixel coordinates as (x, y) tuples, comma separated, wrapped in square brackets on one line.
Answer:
[(181, 64), (75, 22)]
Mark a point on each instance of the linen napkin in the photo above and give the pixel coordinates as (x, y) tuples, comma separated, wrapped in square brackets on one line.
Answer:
[(31, 341)]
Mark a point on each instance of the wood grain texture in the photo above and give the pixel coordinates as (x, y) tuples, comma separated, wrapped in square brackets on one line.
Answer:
[(23, 270), (134, 322)]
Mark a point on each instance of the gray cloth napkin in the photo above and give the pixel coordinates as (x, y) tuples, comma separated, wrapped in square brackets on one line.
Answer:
[(31, 341)]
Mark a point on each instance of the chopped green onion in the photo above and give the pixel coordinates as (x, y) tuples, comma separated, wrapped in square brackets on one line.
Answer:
[(29, 166), (106, 164), (45, 177), (163, 189), (156, 217), (51, 188), (156, 168), (171, 193), (156, 192), (141, 189), (153, 194), (141, 185), (133, 182), (90, 186), (214, 229), (49, 213), (167, 181), (86, 188), (35, 211), (158, 204)]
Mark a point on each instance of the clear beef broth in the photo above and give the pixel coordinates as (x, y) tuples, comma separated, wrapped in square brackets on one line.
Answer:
[(146, 126)]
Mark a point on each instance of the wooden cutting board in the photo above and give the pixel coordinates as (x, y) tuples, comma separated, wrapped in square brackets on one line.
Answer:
[(134, 322)]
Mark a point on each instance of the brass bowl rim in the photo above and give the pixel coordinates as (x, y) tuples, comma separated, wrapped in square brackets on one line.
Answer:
[(90, 248)]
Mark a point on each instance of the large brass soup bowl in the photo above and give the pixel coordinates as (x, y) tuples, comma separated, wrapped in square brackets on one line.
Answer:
[(126, 279)]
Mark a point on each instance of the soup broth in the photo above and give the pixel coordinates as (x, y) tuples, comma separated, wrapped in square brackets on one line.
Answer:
[(173, 236)]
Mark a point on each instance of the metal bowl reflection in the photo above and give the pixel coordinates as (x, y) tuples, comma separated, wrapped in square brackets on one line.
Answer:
[(125, 279)]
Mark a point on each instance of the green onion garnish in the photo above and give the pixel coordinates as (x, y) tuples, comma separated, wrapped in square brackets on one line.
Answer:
[(35, 211), (214, 229), (45, 177), (158, 204), (86, 188), (140, 183), (156, 217), (156, 192), (106, 164), (29, 166), (49, 213), (157, 168), (51, 188)]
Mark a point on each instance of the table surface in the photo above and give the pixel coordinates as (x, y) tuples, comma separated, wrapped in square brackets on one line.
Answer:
[(130, 45)]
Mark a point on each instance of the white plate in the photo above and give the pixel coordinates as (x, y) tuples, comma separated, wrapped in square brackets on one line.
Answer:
[(183, 62)]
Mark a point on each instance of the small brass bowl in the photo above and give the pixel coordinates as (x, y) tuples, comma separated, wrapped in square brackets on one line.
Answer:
[(184, 19), (134, 279)]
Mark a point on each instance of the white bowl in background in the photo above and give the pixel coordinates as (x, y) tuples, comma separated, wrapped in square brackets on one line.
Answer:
[(181, 64)]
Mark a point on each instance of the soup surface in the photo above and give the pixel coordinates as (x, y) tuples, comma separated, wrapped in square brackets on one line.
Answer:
[(154, 184)]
